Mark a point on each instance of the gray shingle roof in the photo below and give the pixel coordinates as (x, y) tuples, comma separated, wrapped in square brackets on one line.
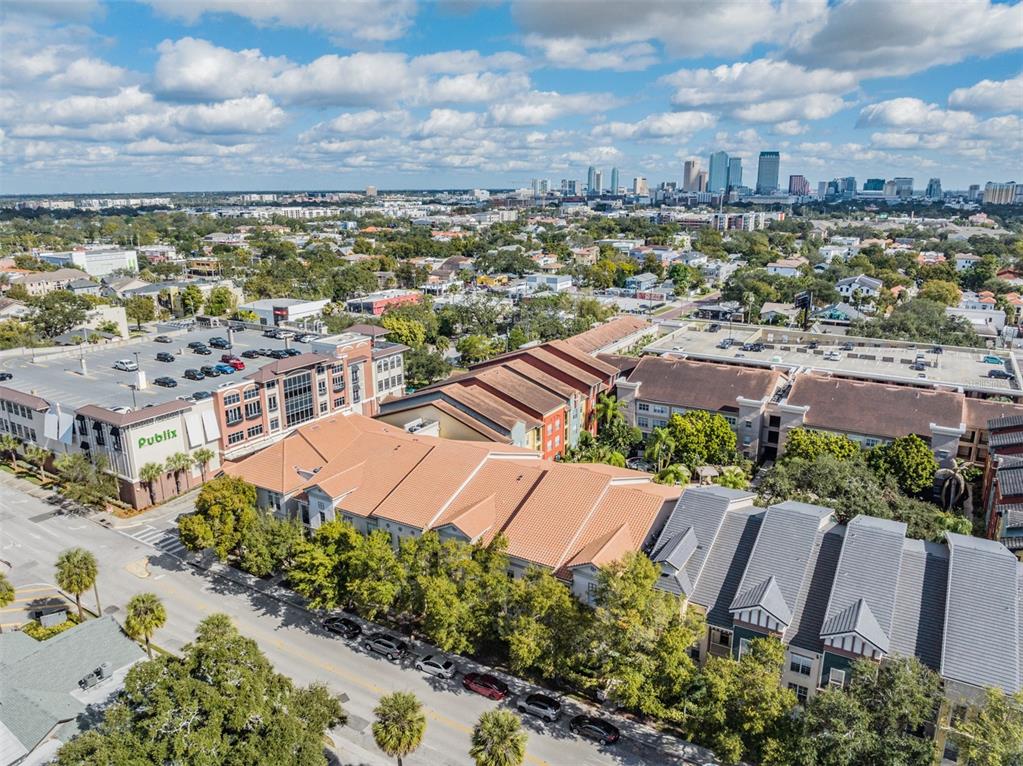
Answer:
[(766, 596), (1005, 439), (1009, 421), (783, 551), (1010, 481), (868, 570), (724, 565), (805, 630), (982, 622), (856, 618), (919, 616)]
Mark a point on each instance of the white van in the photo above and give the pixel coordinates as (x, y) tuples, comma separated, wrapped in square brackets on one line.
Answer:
[(127, 365)]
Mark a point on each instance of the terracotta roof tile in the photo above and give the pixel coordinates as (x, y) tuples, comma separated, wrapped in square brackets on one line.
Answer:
[(605, 334), (701, 385)]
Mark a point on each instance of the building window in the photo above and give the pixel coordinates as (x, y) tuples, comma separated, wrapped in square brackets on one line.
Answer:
[(801, 665), (234, 415), (643, 422), (836, 678), (253, 410), (254, 431), (251, 393), (801, 693), (731, 420), (275, 423), (323, 407), (643, 407), (743, 647), (720, 637), (660, 409), (321, 387), (271, 402), (339, 402), (232, 398), (298, 399), (236, 437)]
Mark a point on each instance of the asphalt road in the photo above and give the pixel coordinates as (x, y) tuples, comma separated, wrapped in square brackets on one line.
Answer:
[(32, 535)]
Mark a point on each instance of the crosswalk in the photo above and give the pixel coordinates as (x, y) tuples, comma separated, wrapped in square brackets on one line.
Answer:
[(165, 540)]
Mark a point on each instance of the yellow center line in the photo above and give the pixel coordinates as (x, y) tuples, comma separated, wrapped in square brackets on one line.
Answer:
[(313, 659)]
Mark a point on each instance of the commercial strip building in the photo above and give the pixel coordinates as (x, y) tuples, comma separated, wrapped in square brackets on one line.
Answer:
[(763, 404), (568, 518), (540, 398), (377, 303), (834, 593), (75, 401), (275, 311), (95, 260)]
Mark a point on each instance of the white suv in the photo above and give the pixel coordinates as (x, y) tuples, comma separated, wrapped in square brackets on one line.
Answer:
[(127, 365)]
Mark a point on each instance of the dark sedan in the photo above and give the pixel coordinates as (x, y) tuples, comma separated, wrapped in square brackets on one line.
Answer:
[(343, 626), (485, 684), (594, 728), (201, 351), (163, 339), (251, 354), (165, 382)]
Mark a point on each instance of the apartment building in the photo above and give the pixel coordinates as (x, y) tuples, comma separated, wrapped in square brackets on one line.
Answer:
[(38, 283), (571, 519), (834, 593)]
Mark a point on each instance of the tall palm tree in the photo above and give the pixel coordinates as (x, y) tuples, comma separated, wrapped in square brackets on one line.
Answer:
[(176, 463), (660, 448), (149, 474), (203, 457), (953, 483), (6, 594), (145, 616), (400, 724), (673, 474), (607, 410), (9, 444), (37, 456), (76, 573), (498, 740)]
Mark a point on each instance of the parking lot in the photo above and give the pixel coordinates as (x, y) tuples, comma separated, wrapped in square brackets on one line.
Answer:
[(868, 358), (60, 377)]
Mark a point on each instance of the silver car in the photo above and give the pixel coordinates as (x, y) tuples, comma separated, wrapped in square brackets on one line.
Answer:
[(436, 666)]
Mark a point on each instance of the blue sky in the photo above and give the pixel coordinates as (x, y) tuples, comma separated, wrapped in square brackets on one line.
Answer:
[(322, 94)]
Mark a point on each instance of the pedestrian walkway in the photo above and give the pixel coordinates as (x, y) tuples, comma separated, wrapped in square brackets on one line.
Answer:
[(164, 540)]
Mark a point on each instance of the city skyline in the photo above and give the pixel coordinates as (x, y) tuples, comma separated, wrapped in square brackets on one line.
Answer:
[(212, 94)]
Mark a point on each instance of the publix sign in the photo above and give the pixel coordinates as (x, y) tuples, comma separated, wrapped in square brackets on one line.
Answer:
[(149, 441)]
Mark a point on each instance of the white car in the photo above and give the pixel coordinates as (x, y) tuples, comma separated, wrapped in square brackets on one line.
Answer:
[(436, 666), (127, 365), (832, 356)]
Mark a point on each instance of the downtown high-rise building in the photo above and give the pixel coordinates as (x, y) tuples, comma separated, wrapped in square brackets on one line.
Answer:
[(734, 172), (999, 193), (903, 187), (718, 178), (569, 187), (799, 186), (591, 180), (934, 189), (767, 172), (873, 184), (598, 183), (702, 181), (690, 176), (614, 180), (639, 186)]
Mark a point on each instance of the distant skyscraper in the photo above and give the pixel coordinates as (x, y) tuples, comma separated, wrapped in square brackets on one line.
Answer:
[(639, 186), (591, 179), (889, 188), (822, 189), (846, 187), (718, 179), (569, 187), (799, 186), (874, 184), (974, 192), (903, 187), (702, 181), (934, 189), (690, 172), (999, 194), (734, 172), (598, 182), (614, 180), (371, 191), (767, 172)]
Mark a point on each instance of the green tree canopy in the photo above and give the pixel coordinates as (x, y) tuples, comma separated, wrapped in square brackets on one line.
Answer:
[(498, 739), (224, 508), (57, 312), (702, 438), (907, 459), (400, 724), (992, 732), (139, 309), (76, 573), (808, 444)]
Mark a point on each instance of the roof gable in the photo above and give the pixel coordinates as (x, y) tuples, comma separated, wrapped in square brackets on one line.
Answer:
[(767, 597), (858, 619)]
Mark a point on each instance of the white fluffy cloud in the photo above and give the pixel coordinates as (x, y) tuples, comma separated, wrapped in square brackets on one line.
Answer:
[(89, 74), (360, 19), (539, 107), (196, 69), (668, 126), (914, 114), (579, 53), (990, 96), (449, 122)]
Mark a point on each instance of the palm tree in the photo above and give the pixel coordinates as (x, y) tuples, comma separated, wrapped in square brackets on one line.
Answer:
[(203, 456), (400, 724), (676, 473), (10, 444), (498, 740), (6, 594), (76, 573), (953, 484), (37, 456), (660, 448), (607, 410), (176, 463), (145, 616), (733, 477), (150, 473)]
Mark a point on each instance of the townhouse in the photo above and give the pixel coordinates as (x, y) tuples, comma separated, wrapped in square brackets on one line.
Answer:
[(571, 519), (860, 285), (38, 283), (833, 594)]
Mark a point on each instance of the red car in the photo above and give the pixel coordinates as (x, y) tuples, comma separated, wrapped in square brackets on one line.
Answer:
[(232, 360), (485, 684)]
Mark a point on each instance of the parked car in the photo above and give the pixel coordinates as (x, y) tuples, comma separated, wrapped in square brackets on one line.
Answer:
[(270, 332), (218, 342), (832, 356), (436, 666), (163, 356), (812, 345), (197, 344), (202, 351), (485, 684), (594, 728), (714, 327), (279, 353), (847, 346), (198, 395), (292, 352), (389, 646), (125, 365), (937, 350), (343, 626), (224, 369), (251, 354), (752, 346), (918, 366), (194, 374), (992, 359), (226, 358), (237, 364), (541, 706), (307, 338), (1000, 375), (726, 343), (6, 375), (265, 351), (210, 371), (165, 381), (163, 339)]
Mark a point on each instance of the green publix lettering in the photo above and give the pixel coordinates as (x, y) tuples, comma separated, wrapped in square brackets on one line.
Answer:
[(147, 441)]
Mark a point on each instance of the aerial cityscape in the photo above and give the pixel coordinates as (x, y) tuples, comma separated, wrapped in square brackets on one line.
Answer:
[(464, 383)]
